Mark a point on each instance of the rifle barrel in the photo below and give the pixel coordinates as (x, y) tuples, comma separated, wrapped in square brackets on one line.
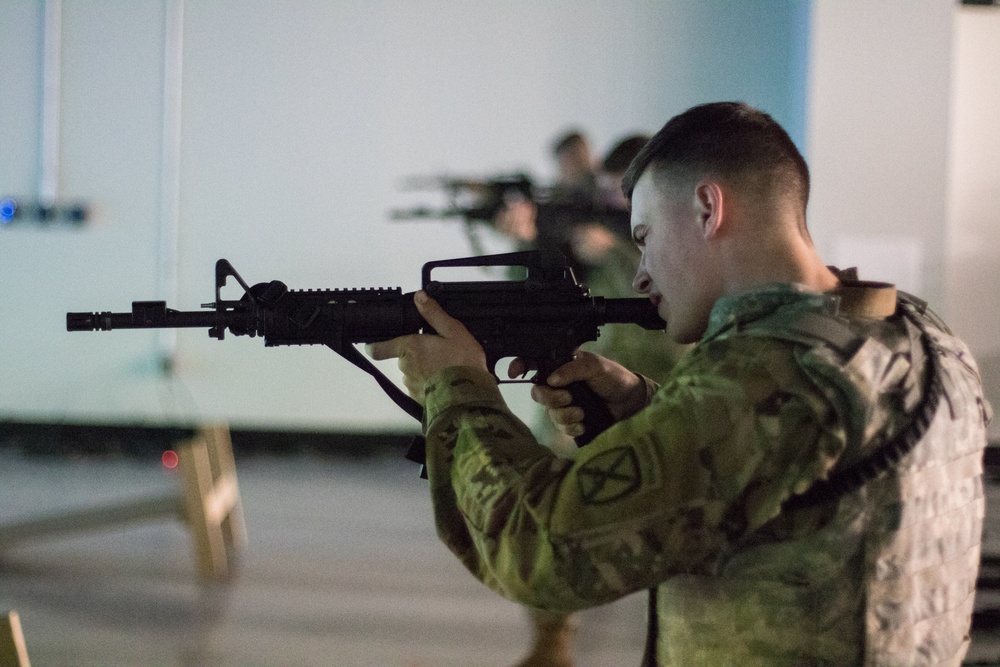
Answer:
[(144, 315)]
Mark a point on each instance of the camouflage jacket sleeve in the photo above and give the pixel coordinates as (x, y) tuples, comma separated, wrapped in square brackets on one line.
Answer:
[(736, 429)]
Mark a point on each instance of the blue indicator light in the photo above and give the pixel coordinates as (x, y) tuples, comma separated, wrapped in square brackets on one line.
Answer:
[(7, 209)]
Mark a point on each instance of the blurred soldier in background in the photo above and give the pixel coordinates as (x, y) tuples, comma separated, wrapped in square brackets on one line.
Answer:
[(577, 177), (576, 185)]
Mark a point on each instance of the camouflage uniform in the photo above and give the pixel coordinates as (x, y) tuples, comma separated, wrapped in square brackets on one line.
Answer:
[(691, 494)]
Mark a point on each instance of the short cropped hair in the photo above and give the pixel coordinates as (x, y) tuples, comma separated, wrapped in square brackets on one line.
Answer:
[(730, 140), (568, 140)]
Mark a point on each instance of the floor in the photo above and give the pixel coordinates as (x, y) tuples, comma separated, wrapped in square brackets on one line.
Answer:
[(342, 569)]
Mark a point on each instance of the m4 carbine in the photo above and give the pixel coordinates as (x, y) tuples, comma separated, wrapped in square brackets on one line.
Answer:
[(482, 200), (542, 319), (472, 199)]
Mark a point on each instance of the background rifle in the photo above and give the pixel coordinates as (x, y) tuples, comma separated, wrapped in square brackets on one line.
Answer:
[(543, 319), (478, 200), (482, 200)]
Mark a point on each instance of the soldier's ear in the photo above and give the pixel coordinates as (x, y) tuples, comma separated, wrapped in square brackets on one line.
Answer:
[(709, 206)]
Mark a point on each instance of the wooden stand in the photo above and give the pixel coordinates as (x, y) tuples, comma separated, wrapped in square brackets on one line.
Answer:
[(209, 503), (13, 652)]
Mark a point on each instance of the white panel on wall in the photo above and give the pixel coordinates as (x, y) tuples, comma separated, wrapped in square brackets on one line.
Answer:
[(894, 259)]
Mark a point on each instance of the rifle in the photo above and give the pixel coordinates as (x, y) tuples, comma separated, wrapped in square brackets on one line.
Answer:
[(542, 318), (477, 200), (482, 200)]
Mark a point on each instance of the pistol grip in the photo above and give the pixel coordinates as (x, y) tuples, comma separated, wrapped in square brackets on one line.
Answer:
[(596, 416)]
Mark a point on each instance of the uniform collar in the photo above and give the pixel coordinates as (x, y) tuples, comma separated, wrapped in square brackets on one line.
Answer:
[(735, 311), (851, 298)]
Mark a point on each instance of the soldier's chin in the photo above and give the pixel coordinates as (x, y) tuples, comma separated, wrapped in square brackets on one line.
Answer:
[(679, 333)]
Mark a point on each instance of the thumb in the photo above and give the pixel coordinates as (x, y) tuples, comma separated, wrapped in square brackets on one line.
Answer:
[(444, 324)]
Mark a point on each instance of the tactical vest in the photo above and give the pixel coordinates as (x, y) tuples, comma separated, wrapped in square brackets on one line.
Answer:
[(906, 499)]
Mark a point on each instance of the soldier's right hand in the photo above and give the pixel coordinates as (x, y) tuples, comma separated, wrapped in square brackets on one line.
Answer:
[(624, 392)]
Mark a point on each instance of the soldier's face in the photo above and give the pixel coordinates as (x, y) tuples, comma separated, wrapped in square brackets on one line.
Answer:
[(674, 267), (574, 164)]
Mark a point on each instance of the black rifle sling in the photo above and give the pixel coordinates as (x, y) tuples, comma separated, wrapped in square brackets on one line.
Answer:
[(417, 451), (398, 396), (652, 631), (888, 456)]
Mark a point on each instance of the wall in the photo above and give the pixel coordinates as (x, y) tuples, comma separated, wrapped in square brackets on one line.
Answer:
[(275, 134), (905, 157), (972, 271), (877, 142)]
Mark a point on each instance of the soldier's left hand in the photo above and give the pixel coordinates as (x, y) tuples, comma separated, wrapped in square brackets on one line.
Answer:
[(422, 355)]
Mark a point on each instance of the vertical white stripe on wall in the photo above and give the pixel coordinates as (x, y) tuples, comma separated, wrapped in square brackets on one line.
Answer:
[(168, 241), (48, 179)]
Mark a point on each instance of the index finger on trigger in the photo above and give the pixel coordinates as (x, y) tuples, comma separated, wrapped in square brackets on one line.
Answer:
[(519, 367)]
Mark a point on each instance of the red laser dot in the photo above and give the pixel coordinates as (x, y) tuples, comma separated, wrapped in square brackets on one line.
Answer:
[(169, 459)]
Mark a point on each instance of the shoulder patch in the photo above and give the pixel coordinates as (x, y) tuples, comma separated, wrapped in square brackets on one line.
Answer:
[(609, 476)]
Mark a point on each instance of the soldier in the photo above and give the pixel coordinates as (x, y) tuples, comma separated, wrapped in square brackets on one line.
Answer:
[(805, 487)]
